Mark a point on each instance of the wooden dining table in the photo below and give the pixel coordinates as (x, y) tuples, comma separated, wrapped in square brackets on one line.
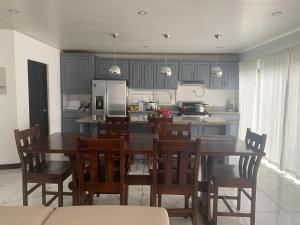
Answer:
[(142, 144)]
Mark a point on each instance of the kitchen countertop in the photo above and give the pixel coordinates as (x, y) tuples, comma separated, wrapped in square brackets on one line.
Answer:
[(177, 119)]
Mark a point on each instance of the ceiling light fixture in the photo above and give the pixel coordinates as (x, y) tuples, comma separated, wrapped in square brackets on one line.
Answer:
[(142, 13), (13, 11), (115, 69), (166, 70), (217, 70), (276, 13)]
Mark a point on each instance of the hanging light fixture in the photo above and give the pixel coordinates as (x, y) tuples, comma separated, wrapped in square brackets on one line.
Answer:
[(166, 70), (216, 70), (115, 69)]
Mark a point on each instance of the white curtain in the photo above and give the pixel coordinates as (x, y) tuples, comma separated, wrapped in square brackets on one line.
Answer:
[(247, 96), (272, 96), (291, 148)]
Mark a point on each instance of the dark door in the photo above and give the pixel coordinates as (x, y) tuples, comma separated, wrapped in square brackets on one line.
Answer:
[(38, 95)]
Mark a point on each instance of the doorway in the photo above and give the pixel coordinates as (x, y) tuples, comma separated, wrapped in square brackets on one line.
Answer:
[(38, 96)]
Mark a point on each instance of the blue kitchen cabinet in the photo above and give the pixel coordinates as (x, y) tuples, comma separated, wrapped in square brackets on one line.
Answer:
[(194, 71), (77, 73), (102, 69), (229, 79), (165, 82), (141, 74)]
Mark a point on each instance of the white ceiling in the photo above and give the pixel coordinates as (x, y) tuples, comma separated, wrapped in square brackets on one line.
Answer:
[(192, 23)]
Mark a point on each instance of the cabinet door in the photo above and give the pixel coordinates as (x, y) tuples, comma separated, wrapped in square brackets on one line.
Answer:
[(85, 74), (187, 71), (135, 75), (218, 82), (102, 69), (232, 78), (148, 75), (69, 125), (202, 72), (68, 74), (163, 82)]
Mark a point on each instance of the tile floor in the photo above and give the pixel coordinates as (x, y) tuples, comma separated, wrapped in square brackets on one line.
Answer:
[(278, 199)]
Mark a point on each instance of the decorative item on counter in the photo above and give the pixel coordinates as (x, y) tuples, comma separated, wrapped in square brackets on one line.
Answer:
[(160, 113), (133, 108)]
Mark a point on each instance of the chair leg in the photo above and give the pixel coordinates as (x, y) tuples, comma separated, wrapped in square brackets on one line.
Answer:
[(25, 195), (126, 195), (238, 206), (253, 203), (194, 206), (186, 201), (209, 190), (44, 194), (60, 194), (215, 207), (152, 197), (91, 198), (159, 200)]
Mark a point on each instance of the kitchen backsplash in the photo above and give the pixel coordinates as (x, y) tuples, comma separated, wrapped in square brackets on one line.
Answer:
[(165, 97), (213, 97)]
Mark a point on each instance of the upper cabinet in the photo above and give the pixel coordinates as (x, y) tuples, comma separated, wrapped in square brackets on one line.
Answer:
[(102, 69), (194, 71), (77, 73), (141, 74), (229, 79), (165, 82)]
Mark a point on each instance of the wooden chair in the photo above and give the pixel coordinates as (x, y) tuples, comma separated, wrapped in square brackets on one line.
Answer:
[(185, 183), (117, 119), (35, 168), (239, 176), (109, 130), (155, 123), (169, 131), (110, 178)]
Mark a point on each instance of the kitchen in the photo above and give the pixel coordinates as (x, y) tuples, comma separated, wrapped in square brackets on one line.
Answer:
[(190, 82)]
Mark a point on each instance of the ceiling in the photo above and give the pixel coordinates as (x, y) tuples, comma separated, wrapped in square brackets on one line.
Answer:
[(86, 24)]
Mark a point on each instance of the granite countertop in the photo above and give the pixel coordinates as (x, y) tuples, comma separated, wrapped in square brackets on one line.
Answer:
[(177, 119), (224, 112), (147, 112)]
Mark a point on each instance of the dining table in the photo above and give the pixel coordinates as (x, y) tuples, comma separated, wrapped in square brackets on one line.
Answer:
[(142, 144)]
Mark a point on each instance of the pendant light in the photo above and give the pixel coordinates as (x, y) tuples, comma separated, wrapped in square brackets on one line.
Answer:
[(216, 70), (166, 70), (115, 69)]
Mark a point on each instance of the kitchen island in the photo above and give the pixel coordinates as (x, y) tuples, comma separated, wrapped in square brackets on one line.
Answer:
[(139, 124)]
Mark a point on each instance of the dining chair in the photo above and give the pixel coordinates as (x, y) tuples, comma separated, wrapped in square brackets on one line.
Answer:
[(36, 169), (117, 119), (155, 123), (93, 179), (185, 183), (240, 176), (170, 131)]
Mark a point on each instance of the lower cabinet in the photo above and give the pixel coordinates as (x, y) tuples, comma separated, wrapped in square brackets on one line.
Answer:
[(203, 130), (233, 118), (69, 124)]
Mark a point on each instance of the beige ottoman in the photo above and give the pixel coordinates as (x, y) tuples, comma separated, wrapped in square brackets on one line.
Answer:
[(109, 215), (24, 215)]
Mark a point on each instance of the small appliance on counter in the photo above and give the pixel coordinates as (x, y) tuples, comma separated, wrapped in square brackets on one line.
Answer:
[(73, 105), (193, 109), (230, 105), (151, 106)]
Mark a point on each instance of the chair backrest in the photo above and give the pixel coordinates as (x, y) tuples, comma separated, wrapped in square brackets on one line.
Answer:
[(248, 165), (169, 131), (26, 138), (187, 153), (155, 123), (93, 176), (117, 119), (113, 130)]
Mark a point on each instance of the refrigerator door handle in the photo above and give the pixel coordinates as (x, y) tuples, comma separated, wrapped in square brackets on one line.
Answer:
[(107, 111)]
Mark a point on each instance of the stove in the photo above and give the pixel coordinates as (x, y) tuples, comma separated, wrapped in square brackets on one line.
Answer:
[(188, 109)]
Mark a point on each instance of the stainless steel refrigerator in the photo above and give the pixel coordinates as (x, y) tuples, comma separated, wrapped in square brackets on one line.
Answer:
[(109, 97)]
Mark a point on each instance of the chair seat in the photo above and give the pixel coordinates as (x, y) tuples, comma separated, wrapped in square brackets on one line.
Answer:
[(52, 170), (230, 176)]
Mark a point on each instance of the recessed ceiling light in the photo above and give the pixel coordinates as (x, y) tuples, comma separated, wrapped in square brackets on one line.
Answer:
[(73, 46), (13, 11), (142, 13), (146, 46), (276, 13)]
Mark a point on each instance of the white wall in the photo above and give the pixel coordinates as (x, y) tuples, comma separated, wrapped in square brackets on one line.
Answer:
[(212, 97), (8, 109), (27, 48)]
